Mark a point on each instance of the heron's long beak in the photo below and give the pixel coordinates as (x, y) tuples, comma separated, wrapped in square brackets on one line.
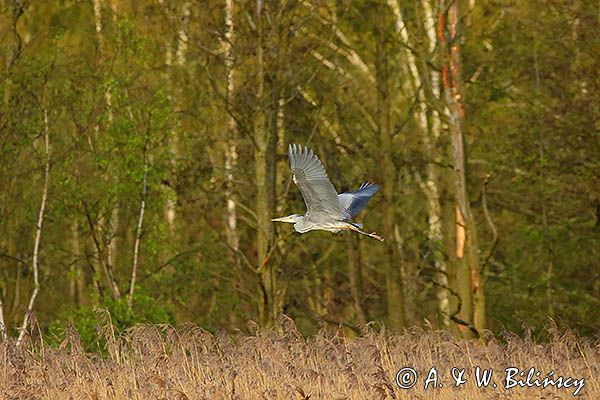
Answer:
[(284, 219)]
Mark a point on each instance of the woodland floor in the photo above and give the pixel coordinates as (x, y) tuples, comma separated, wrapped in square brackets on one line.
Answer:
[(156, 362)]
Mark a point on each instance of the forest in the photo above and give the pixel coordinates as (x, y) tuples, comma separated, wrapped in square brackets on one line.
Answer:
[(144, 152)]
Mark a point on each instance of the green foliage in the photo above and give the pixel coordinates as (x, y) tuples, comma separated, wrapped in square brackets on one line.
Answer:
[(92, 322), (147, 97)]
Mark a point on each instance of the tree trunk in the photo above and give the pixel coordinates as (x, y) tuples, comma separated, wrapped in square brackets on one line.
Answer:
[(3, 333), (356, 279), (109, 228), (469, 286), (264, 162), (101, 53), (175, 94), (77, 279), (546, 242), (17, 9), (140, 224), (182, 34), (393, 276), (434, 181), (230, 143), (429, 123), (101, 259), (38, 232), (111, 234)]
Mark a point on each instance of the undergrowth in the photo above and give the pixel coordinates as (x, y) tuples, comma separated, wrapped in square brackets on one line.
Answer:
[(187, 362)]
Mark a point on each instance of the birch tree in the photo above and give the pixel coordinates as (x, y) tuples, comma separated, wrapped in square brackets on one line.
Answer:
[(181, 51), (428, 121), (140, 221), (230, 142), (35, 260), (110, 227)]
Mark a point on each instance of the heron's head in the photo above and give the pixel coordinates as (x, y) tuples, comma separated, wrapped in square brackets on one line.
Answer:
[(291, 219)]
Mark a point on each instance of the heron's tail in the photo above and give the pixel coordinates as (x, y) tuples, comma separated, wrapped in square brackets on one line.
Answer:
[(359, 226)]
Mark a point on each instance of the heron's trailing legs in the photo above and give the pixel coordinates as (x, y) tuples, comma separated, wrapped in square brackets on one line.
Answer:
[(371, 235)]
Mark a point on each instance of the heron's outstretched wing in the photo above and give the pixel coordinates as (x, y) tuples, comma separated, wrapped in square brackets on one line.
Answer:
[(310, 177), (353, 202)]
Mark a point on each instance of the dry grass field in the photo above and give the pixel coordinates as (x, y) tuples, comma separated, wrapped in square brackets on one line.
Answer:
[(155, 362)]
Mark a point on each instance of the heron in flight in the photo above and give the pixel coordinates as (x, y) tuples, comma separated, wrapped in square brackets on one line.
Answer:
[(325, 209)]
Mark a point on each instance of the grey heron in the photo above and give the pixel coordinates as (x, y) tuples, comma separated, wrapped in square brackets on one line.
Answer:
[(325, 209)]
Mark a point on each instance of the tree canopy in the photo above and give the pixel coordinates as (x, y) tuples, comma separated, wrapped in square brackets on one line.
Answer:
[(158, 131)]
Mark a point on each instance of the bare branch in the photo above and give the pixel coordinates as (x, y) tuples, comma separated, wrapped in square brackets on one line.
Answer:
[(106, 267), (490, 222)]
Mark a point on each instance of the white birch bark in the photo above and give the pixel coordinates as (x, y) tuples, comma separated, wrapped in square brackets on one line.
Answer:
[(182, 34), (38, 233), (180, 60), (101, 48), (170, 207), (231, 147), (140, 225), (98, 22), (430, 134)]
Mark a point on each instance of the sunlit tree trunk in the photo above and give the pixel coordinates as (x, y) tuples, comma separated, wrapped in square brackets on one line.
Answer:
[(469, 286), (433, 182)]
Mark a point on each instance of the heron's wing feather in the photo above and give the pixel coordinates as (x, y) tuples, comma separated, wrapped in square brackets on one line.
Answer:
[(310, 177), (353, 202)]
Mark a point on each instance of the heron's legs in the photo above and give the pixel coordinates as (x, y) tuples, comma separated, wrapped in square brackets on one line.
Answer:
[(371, 235)]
